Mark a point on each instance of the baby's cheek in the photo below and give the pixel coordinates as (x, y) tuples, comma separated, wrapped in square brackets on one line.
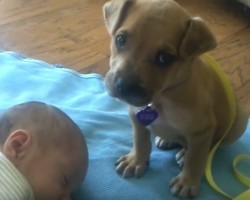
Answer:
[(47, 189)]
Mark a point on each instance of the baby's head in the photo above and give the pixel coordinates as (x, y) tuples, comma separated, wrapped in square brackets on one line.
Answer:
[(46, 146)]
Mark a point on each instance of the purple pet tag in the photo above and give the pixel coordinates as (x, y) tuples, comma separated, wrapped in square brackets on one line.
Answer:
[(147, 116)]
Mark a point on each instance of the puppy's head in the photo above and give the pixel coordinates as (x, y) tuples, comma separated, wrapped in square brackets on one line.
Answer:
[(153, 43)]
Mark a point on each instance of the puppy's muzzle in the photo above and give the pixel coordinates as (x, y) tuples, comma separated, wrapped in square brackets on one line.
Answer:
[(127, 89)]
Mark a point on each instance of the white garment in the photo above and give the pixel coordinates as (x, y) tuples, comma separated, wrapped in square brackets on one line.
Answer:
[(13, 185)]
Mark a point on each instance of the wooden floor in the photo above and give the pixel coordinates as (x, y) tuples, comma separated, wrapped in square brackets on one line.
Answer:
[(72, 33)]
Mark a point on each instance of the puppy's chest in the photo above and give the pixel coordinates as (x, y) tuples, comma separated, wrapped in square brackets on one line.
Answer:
[(171, 125), (171, 121), (173, 117), (167, 120)]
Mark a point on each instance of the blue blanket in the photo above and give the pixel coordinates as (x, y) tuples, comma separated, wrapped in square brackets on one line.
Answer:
[(104, 122)]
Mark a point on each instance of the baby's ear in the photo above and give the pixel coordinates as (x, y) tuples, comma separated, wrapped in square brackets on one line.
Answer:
[(17, 145), (115, 12), (197, 39)]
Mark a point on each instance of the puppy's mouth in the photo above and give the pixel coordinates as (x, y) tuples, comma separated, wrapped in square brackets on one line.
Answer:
[(128, 90), (138, 99)]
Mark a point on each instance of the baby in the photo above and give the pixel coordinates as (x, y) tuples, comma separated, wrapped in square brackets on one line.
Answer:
[(43, 155)]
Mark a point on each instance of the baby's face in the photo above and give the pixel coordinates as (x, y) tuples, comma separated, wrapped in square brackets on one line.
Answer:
[(55, 174)]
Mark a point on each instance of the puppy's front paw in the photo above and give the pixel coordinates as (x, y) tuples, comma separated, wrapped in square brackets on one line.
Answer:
[(130, 165), (184, 186)]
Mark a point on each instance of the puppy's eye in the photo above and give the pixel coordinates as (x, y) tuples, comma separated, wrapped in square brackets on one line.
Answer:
[(121, 42), (164, 59)]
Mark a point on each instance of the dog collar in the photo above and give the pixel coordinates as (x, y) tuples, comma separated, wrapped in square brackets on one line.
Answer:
[(147, 115)]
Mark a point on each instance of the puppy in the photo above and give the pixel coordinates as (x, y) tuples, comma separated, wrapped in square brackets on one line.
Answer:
[(157, 68)]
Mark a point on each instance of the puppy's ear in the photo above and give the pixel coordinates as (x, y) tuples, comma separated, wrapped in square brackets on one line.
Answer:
[(114, 13), (197, 40)]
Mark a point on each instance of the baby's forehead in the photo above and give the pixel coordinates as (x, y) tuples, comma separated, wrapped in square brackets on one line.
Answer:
[(76, 164)]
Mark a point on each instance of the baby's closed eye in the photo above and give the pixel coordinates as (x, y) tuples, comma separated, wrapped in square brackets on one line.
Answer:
[(64, 181)]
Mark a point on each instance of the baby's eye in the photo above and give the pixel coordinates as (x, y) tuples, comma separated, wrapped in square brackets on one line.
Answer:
[(64, 181)]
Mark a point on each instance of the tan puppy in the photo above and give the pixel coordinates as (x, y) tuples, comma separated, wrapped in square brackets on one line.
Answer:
[(155, 59)]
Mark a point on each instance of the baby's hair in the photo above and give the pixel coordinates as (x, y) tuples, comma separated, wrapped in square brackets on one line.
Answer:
[(45, 120)]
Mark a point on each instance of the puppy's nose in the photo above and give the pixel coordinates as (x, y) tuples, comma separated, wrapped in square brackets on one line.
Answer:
[(129, 87), (120, 86)]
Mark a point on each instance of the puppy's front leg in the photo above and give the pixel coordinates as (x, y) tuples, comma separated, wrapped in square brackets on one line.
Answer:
[(135, 163), (187, 183)]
